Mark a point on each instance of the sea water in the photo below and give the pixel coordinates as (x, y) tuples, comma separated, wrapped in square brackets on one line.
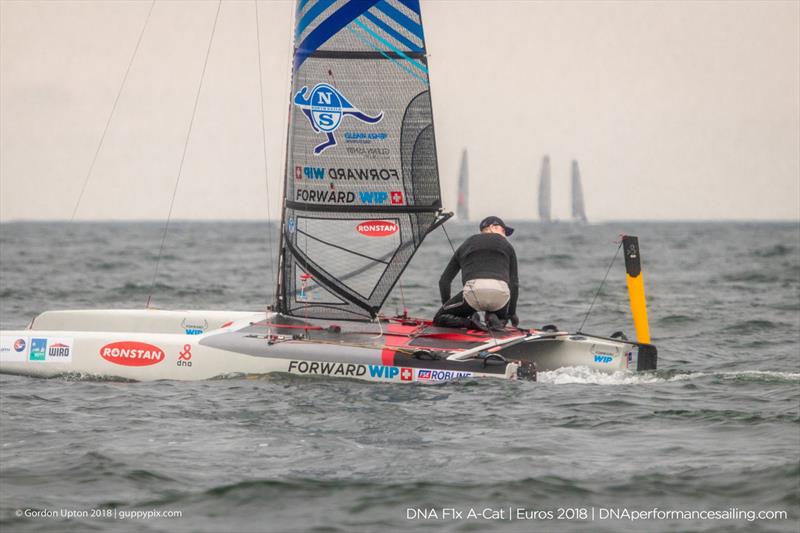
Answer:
[(708, 442)]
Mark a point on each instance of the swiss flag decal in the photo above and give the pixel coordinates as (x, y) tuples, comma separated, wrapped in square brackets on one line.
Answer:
[(406, 374), (396, 197)]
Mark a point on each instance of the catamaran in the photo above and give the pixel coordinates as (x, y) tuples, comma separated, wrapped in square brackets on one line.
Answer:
[(578, 207), (350, 225)]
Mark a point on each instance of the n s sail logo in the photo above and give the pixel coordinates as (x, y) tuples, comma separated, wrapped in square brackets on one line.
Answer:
[(325, 108)]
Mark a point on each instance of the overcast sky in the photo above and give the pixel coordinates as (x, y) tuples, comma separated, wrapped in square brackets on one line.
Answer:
[(674, 110)]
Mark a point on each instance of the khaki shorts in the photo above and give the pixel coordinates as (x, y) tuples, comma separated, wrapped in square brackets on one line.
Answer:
[(486, 294)]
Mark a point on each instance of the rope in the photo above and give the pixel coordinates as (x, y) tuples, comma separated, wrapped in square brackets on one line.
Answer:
[(448, 239), (113, 108), (403, 299), (601, 287), (264, 148), (264, 138), (183, 157), (380, 328)]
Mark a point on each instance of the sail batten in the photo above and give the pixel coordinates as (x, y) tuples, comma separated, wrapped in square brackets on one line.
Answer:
[(361, 180)]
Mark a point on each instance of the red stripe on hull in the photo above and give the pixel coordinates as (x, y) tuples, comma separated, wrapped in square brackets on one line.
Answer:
[(396, 335)]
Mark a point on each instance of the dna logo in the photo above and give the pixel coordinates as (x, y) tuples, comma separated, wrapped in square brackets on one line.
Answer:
[(325, 108)]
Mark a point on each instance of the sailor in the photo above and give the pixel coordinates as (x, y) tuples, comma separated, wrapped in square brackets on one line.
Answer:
[(488, 267)]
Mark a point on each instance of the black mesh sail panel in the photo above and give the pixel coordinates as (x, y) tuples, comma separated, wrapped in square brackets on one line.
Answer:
[(362, 183)]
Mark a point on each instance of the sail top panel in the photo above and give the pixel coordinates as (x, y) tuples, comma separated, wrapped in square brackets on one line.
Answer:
[(390, 28), (362, 180)]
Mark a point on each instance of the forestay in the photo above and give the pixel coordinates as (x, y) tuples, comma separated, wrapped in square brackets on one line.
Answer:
[(362, 183)]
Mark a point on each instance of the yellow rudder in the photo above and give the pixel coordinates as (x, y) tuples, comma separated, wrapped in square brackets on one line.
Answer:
[(633, 267)]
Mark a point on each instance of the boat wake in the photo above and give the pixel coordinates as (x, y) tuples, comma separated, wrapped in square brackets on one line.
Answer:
[(582, 374)]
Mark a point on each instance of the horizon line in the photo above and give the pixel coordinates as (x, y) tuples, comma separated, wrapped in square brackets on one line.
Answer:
[(526, 220)]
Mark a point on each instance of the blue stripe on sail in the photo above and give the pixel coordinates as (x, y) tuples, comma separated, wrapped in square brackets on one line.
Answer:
[(401, 19), (387, 56), (413, 5), (387, 43), (301, 5), (393, 32), (315, 11), (330, 27)]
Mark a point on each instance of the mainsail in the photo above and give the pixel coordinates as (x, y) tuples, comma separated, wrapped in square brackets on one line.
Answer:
[(462, 209), (578, 209), (362, 181), (544, 190)]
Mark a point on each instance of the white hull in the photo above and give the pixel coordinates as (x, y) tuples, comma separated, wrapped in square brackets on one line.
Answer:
[(146, 345)]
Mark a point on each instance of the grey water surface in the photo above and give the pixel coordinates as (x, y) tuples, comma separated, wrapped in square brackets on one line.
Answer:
[(716, 428)]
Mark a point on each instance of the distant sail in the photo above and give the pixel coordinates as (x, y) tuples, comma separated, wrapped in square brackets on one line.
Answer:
[(361, 189), (544, 191), (462, 209), (578, 209)]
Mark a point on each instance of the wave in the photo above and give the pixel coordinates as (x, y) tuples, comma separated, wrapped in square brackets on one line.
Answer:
[(354, 496), (556, 259), (752, 326), (138, 289), (752, 276), (778, 250), (724, 415), (760, 375), (84, 468), (585, 375), (676, 320), (108, 265)]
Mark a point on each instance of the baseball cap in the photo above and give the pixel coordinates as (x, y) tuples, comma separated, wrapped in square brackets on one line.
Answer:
[(488, 221)]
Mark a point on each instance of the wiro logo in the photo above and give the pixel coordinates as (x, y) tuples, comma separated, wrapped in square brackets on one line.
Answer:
[(325, 108)]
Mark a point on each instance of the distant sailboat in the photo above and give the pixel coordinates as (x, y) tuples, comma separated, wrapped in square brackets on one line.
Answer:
[(544, 190), (578, 208), (462, 209)]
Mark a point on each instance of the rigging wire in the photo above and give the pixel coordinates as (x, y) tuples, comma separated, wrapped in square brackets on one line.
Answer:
[(111, 115), (264, 148), (403, 298), (580, 329), (183, 156), (448, 238)]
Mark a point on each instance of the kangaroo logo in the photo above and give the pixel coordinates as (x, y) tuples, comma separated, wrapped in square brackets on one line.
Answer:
[(325, 108)]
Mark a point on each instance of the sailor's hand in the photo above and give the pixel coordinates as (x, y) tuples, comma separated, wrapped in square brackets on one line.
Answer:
[(514, 320)]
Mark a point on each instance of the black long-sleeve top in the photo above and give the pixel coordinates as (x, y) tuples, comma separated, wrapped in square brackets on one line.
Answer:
[(483, 256)]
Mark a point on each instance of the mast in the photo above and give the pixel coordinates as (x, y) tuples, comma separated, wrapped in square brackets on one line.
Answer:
[(578, 208), (279, 300), (544, 190), (462, 208)]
